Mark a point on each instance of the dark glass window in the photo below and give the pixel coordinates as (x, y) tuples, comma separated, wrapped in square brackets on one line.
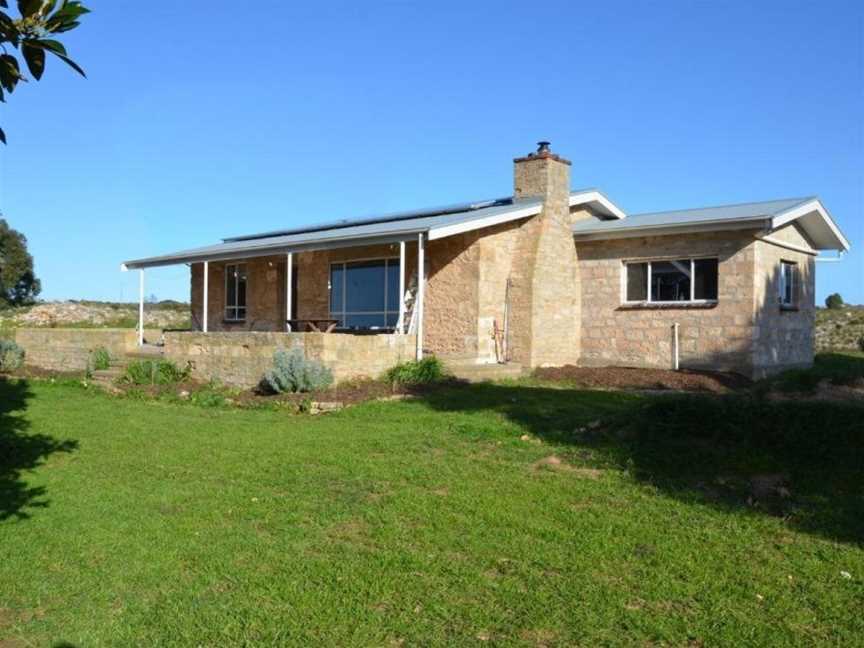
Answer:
[(235, 292), (705, 279), (637, 281), (788, 283), (670, 281), (365, 294)]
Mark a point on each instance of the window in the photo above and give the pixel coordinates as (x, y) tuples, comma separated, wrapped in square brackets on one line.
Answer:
[(788, 293), (365, 294), (680, 280), (235, 292)]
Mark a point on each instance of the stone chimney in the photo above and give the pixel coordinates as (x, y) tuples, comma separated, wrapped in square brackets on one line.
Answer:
[(541, 174), (546, 320)]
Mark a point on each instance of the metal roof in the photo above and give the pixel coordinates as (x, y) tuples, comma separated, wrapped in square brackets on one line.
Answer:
[(702, 215), (438, 222), (370, 231), (772, 214), (457, 208)]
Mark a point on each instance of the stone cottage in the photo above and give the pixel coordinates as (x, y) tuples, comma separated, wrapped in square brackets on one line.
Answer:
[(547, 276)]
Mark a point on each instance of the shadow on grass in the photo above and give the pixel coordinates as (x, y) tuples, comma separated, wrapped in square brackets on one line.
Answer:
[(20, 451), (802, 460)]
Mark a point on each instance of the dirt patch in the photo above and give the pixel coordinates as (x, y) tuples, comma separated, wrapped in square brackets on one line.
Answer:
[(636, 378)]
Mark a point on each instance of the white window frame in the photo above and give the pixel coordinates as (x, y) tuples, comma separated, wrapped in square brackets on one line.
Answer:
[(650, 301), (233, 275), (343, 313), (796, 283)]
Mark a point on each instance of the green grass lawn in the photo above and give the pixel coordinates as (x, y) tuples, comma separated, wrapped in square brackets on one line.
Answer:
[(429, 522)]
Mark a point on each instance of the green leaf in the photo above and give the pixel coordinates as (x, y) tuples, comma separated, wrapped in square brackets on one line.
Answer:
[(35, 58), (4, 4), (2, 136), (48, 7), (52, 45), (10, 73), (29, 7), (71, 64)]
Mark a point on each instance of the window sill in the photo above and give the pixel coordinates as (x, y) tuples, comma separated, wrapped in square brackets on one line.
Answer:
[(233, 321), (700, 305), (789, 309)]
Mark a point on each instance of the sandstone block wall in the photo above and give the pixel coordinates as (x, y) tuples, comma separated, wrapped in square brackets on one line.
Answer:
[(241, 359), (713, 337), (783, 338), (69, 349)]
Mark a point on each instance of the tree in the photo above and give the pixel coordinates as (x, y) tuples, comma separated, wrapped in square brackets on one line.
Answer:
[(834, 301), (18, 283), (30, 35)]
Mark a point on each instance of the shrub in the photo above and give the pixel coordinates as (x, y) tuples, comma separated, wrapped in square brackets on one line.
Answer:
[(11, 355), (100, 359), (292, 372), (416, 372), (154, 372), (210, 396), (834, 301), (861, 343)]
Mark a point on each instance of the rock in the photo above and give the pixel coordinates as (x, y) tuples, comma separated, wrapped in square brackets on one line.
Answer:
[(183, 394), (323, 407)]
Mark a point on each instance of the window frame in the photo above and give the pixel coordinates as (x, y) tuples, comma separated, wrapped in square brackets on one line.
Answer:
[(236, 307), (342, 315), (794, 301), (650, 302)]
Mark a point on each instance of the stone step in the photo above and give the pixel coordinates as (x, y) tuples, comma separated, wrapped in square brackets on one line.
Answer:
[(146, 352)]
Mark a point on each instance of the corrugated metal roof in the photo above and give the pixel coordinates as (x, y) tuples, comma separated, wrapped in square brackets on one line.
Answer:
[(457, 208), (366, 231), (740, 212)]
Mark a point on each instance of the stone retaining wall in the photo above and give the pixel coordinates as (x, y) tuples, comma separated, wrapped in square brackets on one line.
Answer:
[(241, 359), (60, 349)]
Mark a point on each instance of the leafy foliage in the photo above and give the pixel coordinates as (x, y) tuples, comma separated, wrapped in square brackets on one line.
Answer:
[(30, 34), (154, 372), (834, 301), (11, 355), (18, 284), (861, 344), (100, 359), (292, 372), (417, 372)]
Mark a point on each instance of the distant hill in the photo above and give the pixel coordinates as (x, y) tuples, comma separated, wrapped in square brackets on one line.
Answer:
[(840, 328), (95, 314)]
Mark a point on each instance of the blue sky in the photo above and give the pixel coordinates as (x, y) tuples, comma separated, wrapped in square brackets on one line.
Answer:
[(203, 120)]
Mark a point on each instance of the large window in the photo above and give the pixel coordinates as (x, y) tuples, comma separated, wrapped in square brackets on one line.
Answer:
[(235, 292), (788, 284), (671, 281), (365, 294)]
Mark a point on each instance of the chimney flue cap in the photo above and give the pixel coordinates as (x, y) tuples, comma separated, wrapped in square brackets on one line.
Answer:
[(543, 152)]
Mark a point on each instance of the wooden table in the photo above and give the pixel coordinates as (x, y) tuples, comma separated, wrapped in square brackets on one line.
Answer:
[(317, 325)]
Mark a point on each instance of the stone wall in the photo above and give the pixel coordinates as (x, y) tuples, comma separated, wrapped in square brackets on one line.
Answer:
[(545, 295), (783, 337), (719, 336), (69, 349), (241, 359)]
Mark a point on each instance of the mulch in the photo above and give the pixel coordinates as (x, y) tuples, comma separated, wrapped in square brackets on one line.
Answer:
[(645, 379)]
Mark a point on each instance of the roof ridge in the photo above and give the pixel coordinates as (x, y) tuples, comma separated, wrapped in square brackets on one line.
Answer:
[(799, 200)]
